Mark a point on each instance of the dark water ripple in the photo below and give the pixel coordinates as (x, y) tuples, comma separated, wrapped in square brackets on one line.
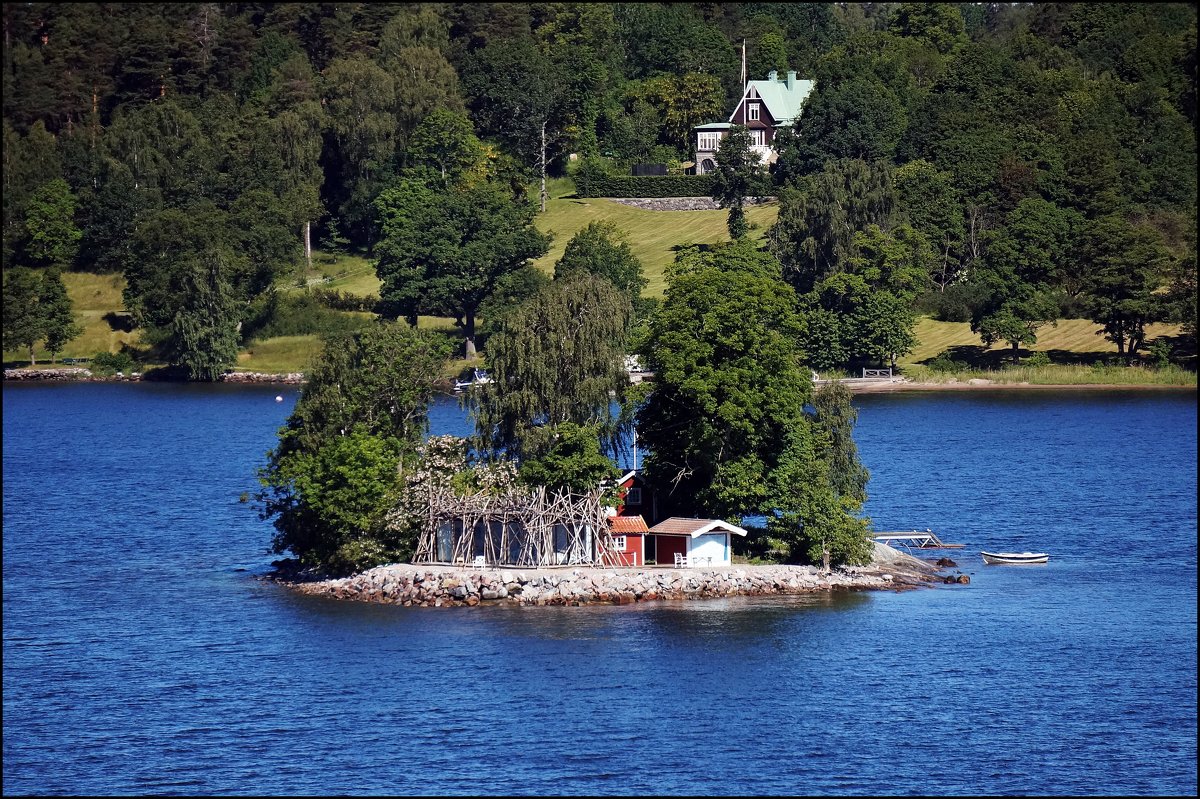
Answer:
[(141, 655)]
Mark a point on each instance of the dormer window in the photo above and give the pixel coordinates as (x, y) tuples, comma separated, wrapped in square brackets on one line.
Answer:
[(752, 111)]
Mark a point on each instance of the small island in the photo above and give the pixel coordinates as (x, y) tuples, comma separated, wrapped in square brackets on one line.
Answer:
[(427, 585)]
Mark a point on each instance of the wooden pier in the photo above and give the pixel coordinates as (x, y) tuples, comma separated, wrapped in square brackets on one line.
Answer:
[(915, 538)]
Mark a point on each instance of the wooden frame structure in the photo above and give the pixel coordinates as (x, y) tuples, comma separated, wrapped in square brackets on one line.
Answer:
[(521, 527)]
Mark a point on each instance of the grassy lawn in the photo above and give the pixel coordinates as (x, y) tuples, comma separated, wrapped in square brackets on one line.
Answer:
[(1071, 341), (346, 272), (652, 235), (1077, 352), (97, 303), (279, 354)]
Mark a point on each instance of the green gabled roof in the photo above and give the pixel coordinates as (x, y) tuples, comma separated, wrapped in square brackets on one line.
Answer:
[(783, 105)]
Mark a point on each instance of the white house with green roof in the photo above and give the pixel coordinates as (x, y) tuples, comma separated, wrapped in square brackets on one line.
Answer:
[(766, 105)]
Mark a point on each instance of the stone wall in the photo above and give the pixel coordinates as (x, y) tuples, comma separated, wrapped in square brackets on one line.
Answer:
[(449, 586)]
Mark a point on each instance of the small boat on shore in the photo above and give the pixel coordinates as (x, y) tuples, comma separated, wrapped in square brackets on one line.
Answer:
[(479, 378), (1013, 558)]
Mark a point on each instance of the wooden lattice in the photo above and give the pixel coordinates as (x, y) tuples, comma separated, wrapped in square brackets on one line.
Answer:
[(518, 527)]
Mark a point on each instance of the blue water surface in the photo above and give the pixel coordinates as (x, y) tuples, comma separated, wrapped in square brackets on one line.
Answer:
[(143, 654)]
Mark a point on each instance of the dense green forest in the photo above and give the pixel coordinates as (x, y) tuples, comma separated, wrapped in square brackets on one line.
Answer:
[(1002, 164)]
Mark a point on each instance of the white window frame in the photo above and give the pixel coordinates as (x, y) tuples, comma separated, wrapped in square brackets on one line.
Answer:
[(758, 137), (618, 542), (752, 112), (708, 142), (633, 496)]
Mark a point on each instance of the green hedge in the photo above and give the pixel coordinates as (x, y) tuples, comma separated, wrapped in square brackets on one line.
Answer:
[(644, 186)]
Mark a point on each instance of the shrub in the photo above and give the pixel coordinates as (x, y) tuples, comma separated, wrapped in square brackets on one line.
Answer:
[(944, 363), (589, 171), (305, 313), (108, 363), (1160, 354), (955, 304), (1038, 359)]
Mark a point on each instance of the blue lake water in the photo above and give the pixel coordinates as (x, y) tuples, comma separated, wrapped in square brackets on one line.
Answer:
[(143, 656)]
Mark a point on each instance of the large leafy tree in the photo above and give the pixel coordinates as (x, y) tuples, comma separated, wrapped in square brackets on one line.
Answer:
[(1017, 277), (729, 385), (926, 197), (445, 251), (297, 125), (820, 486), (202, 334), (681, 103), (557, 358), (1127, 265), (410, 49), (57, 310), (572, 460), (359, 101), (725, 424), (37, 310), (52, 237), (860, 118), (601, 249), (445, 141), (517, 93), (819, 217), (109, 216), (183, 282), (24, 323), (332, 478)]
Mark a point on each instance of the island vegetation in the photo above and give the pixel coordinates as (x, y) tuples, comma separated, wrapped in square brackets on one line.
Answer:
[(385, 195)]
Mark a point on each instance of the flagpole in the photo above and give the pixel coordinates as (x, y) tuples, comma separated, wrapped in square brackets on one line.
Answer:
[(743, 66)]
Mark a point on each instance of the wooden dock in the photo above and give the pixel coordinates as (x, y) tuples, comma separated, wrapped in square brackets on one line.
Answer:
[(915, 538)]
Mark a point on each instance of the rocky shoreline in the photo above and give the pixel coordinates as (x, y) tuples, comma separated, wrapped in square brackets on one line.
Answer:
[(426, 585), (856, 385), (81, 374)]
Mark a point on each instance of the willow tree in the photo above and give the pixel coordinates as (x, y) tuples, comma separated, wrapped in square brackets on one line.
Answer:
[(559, 357)]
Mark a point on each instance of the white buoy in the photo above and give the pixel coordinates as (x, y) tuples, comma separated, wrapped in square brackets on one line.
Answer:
[(278, 398)]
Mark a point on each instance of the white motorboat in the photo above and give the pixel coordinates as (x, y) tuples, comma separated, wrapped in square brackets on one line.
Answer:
[(480, 378)]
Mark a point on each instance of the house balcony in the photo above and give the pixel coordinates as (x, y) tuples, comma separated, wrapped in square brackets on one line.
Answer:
[(766, 155)]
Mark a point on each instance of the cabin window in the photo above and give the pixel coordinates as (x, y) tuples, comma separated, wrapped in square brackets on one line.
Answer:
[(753, 111), (618, 542), (708, 141), (633, 496)]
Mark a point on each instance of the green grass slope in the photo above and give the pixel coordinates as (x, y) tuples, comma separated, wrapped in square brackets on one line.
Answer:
[(652, 235)]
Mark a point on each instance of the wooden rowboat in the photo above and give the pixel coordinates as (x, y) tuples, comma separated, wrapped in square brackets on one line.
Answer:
[(1014, 558)]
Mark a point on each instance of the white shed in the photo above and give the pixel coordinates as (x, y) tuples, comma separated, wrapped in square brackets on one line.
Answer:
[(704, 542)]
